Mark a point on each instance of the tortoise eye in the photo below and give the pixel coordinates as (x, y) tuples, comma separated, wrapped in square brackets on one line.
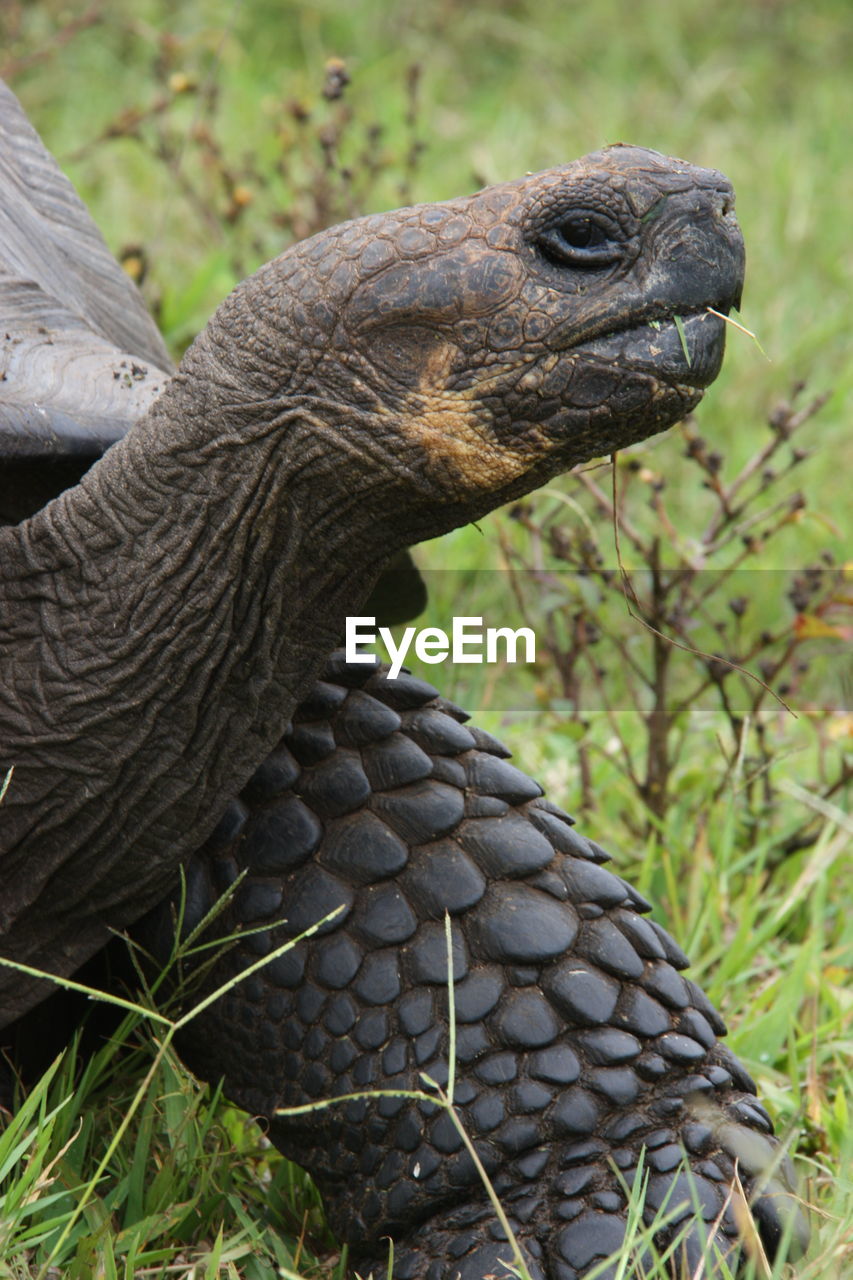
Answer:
[(580, 241), (582, 233)]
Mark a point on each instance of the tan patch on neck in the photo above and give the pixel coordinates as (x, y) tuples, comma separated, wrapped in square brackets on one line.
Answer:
[(455, 432)]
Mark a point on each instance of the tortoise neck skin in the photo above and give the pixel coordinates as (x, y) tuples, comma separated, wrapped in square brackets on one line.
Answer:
[(381, 383)]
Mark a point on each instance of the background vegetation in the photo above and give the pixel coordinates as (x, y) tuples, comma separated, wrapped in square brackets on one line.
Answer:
[(207, 135)]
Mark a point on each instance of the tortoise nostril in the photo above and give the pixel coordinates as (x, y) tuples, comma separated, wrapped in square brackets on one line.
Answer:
[(727, 201)]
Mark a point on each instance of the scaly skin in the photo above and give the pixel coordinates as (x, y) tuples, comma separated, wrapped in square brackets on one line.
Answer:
[(380, 383), (578, 1044), (159, 623)]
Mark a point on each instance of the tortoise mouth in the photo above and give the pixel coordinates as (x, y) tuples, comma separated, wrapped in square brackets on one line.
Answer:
[(683, 349)]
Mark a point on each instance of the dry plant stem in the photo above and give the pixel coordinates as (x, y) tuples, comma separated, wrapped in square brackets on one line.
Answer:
[(126, 125), (748, 550), (659, 508), (629, 590), (731, 531), (655, 791), (412, 120), (318, 179), (13, 67), (716, 676), (690, 594), (570, 682), (735, 324), (608, 508), (508, 564), (630, 663), (786, 424), (163, 150)]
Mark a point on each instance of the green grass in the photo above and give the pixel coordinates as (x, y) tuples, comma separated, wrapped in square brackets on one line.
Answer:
[(191, 1188), (761, 91)]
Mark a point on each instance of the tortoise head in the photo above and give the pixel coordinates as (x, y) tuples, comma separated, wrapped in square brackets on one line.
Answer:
[(385, 381), (472, 349)]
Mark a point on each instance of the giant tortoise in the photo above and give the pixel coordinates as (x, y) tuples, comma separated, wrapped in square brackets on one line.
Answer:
[(166, 619)]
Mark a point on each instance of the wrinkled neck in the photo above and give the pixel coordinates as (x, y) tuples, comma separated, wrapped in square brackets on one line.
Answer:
[(188, 548), (164, 618)]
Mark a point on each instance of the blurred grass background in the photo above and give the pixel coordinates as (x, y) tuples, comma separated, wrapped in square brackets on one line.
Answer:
[(200, 137), (760, 89)]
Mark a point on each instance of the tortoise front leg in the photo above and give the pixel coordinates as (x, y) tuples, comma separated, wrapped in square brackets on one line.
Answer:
[(580, 1047)]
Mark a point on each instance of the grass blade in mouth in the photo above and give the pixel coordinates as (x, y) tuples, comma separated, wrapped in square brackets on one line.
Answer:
[(682, 338), (742, 328)]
